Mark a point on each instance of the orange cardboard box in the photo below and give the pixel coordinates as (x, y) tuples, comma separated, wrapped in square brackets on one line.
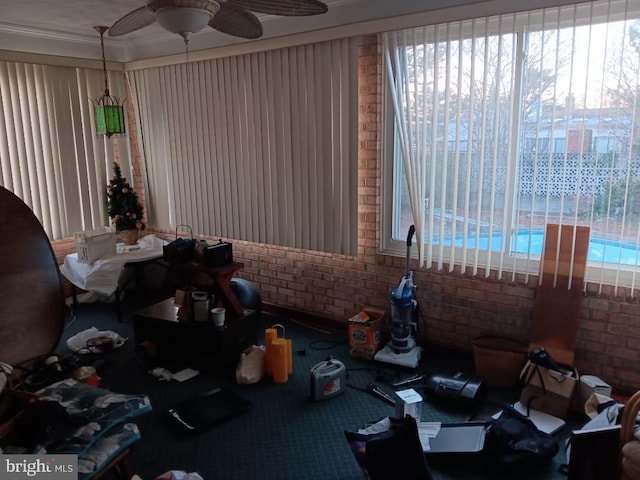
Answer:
[(364, 332)]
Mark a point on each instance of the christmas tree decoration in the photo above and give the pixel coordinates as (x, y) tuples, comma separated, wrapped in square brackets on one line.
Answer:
[(123, 207)]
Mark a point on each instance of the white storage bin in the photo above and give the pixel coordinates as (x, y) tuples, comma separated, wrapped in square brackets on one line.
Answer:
[(92, 245)]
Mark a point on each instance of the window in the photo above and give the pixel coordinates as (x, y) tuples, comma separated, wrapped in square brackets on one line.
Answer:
[(261, 149), (503, 124), (50, 156)]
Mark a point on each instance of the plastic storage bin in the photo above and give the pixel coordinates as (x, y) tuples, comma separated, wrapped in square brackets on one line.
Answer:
[(92, 245)]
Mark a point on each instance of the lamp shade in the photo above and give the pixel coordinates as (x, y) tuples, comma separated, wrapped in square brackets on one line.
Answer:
[(183, 20), (109, 119)]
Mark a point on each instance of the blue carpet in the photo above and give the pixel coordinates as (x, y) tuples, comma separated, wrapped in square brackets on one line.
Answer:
[(285, 435)]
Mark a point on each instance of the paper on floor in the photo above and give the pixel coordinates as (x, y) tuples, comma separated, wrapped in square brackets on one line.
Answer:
[(181, 376), (427, 430)]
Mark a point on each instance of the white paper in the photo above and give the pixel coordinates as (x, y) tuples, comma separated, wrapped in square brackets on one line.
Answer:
[(380, 426), (409, 396), (427, 430), (185, 374)]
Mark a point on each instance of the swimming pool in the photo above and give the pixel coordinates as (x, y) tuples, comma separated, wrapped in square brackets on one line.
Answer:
[(609, 251)]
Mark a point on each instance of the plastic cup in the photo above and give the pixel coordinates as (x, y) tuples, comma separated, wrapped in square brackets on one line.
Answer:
[(217, 316)]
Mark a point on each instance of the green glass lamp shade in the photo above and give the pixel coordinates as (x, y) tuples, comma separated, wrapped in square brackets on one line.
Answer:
[(109, 117)]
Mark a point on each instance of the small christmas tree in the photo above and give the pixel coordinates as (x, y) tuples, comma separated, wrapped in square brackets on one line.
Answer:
[(123, 207)]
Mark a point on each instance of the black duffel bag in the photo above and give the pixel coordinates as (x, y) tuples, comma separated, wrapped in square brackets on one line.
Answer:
[(513, 440)]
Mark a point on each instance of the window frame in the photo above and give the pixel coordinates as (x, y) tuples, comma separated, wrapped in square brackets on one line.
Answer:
[(620, 275)]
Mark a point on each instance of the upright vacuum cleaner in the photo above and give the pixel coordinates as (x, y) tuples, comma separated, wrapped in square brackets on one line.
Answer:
[(402, 349)]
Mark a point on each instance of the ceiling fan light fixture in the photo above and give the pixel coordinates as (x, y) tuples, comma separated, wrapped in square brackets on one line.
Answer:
[(183, 21), (233, 17)]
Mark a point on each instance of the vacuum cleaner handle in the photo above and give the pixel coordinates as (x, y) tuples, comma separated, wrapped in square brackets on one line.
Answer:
[(412, 231)]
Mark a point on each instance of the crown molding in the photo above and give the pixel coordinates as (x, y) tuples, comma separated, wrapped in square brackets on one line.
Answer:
[(456, 10), (153, 46), (64, 44)]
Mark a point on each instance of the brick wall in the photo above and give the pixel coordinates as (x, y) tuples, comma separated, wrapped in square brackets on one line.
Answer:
[(454, 309)]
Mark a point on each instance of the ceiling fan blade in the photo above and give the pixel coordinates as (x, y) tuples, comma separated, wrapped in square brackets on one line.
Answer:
[(288, 8), (139, 18), (233, 20), (155, 5)]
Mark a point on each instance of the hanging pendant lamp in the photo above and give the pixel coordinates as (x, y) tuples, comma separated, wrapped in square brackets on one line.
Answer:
[(109, 111)]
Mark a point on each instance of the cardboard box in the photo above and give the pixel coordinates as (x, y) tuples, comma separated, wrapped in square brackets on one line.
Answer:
[(409, 402), (590, 384), (364, 332), (548, 391)]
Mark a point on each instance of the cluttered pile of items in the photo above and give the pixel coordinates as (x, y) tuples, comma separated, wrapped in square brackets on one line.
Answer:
[(184, 257), (540, 377)]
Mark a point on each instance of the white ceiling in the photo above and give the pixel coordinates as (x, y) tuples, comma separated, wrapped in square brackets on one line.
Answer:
[(65, 27)]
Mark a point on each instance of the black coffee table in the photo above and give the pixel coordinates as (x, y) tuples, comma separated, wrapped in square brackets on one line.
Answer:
[(199, 345)]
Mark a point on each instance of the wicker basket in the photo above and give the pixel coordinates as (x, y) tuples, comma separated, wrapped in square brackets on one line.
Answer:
[(129, 237), (499, 360)]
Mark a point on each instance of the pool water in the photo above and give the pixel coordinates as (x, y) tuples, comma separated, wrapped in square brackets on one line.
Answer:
[(600, 250)]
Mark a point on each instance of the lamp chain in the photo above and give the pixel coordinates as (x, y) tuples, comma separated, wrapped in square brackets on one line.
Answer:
[(101, 31), (188, 65)]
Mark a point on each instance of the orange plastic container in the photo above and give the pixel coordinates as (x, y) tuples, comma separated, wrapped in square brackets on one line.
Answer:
[(278, 353), (279, 362), (270, 334)]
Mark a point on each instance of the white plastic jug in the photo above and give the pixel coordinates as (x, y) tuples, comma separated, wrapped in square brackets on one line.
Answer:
[(200, 306)]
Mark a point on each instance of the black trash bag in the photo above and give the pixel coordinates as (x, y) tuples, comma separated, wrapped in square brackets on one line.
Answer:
[(395, 453), (513, 440)]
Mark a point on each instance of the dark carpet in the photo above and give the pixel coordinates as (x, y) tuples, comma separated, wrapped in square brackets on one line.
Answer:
[(285, 435)]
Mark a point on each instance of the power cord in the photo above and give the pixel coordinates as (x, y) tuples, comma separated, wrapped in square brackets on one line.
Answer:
[(329, 344)]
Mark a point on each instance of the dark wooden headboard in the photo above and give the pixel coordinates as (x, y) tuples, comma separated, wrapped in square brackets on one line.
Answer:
[(32, 309)]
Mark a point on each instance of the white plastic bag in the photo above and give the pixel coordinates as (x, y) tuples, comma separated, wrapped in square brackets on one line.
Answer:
[(252, 365), (78, 343), (179, 475)]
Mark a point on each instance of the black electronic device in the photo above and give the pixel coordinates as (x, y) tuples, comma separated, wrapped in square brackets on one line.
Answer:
[(203, 412), (459, 389), (217, 255)]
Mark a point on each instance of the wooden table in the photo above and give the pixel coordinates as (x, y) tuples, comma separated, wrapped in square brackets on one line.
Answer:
[(222, 280), (199, 345)]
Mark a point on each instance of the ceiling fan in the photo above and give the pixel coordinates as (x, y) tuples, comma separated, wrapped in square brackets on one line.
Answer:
[(233, 17)]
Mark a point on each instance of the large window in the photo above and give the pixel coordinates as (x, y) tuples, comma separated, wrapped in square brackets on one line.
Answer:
[(261, 148), (498, 126), (50, 156)]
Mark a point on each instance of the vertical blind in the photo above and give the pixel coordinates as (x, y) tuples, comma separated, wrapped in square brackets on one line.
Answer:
[(50, 156), (259, 147), (507, 123)]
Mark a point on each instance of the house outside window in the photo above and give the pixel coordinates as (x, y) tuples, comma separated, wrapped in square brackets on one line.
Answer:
[(540, 115)]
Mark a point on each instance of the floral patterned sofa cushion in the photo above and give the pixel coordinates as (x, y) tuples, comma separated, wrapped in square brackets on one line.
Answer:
[(91, 414), (106, 448)]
